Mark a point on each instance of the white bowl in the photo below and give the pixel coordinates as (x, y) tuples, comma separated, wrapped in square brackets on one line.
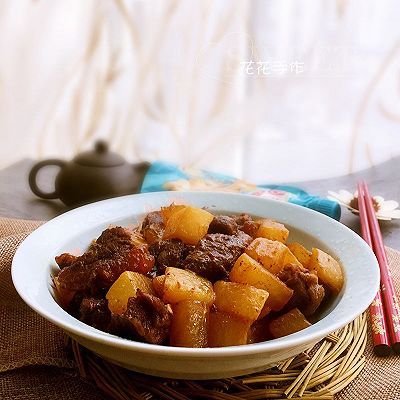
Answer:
[(33, 261)]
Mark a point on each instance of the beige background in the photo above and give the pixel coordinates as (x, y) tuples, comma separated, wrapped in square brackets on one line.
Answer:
[(165, 79)]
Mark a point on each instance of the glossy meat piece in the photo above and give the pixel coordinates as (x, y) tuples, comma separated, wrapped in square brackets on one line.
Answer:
[(95, 312), (65, 260), (215, 254), (153, 227), (148, 318), (247, 224), (73, 306), (78, 277), (136, 259), (97, 269), (307, 292), (168, 253), (223, 224)]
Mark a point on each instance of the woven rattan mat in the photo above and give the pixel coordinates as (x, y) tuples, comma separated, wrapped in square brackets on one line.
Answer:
[(38, 362)]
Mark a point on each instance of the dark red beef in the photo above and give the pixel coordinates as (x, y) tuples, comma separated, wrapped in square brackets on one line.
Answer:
[(223, 224), (95, 312), (153, 227), (98, 268), (215, 254), (168, 253), (77, 277), (65, 260), (247, 224), (307, 293), (137, 259), (148, 318), (120, 326), (74, 305)]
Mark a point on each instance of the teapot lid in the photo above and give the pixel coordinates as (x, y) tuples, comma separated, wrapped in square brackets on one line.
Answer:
[(99, 157)]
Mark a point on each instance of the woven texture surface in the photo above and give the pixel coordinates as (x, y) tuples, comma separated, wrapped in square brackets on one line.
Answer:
[(34, 362)]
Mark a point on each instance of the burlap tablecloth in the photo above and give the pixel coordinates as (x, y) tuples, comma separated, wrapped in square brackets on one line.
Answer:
[(35, 365)]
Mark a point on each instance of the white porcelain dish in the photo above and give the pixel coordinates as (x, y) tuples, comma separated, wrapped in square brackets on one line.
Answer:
[(32, 264)]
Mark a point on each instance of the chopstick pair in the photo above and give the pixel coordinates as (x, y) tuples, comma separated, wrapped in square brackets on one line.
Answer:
[(384, 310)]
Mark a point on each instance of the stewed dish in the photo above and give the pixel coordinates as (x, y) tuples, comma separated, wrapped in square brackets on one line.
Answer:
[(185, 277)]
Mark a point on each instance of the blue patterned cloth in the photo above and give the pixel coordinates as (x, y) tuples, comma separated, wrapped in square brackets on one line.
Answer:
[(163, 176)]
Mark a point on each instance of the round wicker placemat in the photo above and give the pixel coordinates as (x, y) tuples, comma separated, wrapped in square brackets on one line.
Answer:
[(318, 373)]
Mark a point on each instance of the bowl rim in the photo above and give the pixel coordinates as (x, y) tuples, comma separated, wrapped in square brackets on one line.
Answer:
[(85, 331)]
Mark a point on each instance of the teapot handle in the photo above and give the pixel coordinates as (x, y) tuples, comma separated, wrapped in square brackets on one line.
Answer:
[(33, 174)]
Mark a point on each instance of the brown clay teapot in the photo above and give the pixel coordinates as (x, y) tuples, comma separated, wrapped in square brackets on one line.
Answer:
[(90, 176)]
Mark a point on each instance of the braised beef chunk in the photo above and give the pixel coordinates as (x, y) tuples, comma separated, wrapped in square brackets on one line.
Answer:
[(65, 260), (137, 259), (95, 312), (215, 254), (77, 277), (153, 227), (247, 224), (148, 317), (75, 304), (168, 253), (307, 293), (223, 224), (98, 268)]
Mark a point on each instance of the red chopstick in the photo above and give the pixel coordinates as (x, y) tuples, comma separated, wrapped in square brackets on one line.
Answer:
[(390, 301), (378, 322)]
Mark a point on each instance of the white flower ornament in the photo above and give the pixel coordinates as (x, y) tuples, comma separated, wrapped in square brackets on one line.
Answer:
[(385, 210)]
